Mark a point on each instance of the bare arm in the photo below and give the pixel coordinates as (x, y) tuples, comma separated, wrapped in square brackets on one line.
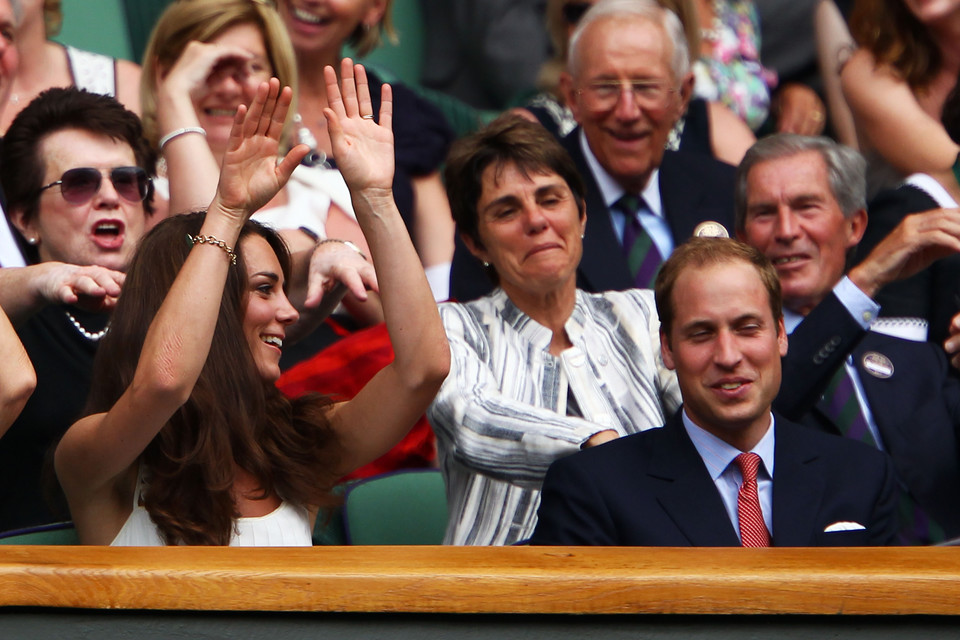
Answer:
[(730, 137), (128, 85), (890, 120), (191, 166), (385, 409), (17, 377), (101, 448)]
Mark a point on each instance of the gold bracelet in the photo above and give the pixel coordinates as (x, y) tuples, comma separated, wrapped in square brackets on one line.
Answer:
[(211, 240)]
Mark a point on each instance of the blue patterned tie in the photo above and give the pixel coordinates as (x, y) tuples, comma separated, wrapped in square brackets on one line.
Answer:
[(643, 257)]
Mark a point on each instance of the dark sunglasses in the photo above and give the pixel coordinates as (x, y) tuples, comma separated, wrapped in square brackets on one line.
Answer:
[(573, 11), (79, 185)]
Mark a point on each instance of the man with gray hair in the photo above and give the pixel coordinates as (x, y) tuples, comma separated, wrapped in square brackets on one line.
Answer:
[(801, 201), (629, 82)]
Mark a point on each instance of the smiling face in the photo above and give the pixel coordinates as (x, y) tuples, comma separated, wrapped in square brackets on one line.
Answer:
[(793, 218), (103, 231), (323, 26), (530, 229), (628, 136), (231, 84), (725, 347), (267, 312)]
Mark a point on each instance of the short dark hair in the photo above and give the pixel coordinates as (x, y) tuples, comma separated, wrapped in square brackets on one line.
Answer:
[(700, 252), (21, 166), (508, 139)]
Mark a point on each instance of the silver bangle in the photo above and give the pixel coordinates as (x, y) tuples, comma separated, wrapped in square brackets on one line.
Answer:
[(176, 133), (346, 243)]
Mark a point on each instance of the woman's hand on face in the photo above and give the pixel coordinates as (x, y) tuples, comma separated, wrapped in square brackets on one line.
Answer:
[(362, 147), (250, 174), (90, 287), (198, 62)]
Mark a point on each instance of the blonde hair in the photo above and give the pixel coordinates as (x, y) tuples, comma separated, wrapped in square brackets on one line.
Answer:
[(52, 17), (366, 38), (203, 20)]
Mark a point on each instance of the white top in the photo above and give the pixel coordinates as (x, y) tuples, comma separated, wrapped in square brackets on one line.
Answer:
[(288, 525)]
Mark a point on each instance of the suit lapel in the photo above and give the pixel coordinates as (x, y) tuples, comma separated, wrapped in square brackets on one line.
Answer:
[(603, 265), (798, 487), (688, 494)]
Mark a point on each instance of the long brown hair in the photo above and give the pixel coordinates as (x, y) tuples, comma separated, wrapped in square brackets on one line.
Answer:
[(888, 30), (232, 419)]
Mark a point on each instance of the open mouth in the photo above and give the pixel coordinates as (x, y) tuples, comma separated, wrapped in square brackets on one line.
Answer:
[(107, 229), (274, 341), (307, 17), (787, 260)]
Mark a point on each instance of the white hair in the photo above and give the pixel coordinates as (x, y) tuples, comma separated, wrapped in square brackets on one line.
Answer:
[(645, 9)]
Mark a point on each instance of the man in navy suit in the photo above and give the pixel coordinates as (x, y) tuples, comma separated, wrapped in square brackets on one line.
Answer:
[(629, 82), (800, 201), (690, 483)]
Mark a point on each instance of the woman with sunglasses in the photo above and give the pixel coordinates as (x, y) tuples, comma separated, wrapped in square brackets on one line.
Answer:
[(74, 169), (189, 441)]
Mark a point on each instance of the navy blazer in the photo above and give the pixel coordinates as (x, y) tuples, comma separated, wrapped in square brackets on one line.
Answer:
[(693, 188), (916, 409), (653, 489)]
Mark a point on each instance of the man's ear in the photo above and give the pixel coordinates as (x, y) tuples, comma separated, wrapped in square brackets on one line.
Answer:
[(858, 226), (569, 94), (665, 353), (477, 249), (782, 340), (686, 92)]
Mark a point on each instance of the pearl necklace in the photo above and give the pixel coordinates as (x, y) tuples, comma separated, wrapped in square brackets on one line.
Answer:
[(93, 337)]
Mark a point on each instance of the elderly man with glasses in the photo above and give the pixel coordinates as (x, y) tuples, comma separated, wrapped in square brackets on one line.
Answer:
[(629, 81)]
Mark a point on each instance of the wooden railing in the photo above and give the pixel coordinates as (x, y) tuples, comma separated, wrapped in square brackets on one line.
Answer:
[(528, 580)]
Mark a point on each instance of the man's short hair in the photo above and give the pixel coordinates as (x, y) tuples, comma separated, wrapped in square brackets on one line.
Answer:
[(22, 168), (647, 9), (509, 139), (701, 252), (846, 169)]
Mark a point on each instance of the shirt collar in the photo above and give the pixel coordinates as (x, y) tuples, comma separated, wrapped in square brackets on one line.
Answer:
[(610, 189), (717, 454)]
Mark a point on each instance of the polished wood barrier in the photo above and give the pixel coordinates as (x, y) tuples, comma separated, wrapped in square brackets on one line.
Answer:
[(541, 580)]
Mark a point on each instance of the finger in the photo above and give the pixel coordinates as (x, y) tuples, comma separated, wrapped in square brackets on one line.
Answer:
[(386, 107), (280, 111), (315, 291), (236, 131), (265, 122), (349, 88), (255, 111), (334, 100), (369, 276), (363, 91), (291, 161), (354, 282)]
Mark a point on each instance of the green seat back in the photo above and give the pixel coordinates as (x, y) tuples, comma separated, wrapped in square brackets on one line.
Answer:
[(402, 507), (60, 533)]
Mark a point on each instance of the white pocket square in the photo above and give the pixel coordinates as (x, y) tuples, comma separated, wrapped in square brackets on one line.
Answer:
[(844, 526)]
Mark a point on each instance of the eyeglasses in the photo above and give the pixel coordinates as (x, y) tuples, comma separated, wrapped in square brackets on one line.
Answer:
[(651, 94), (78, 186), (573, 11)]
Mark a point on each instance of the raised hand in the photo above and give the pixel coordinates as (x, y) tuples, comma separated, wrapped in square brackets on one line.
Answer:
[(199, 61), (250, 175), (91, 287), (362, 147)]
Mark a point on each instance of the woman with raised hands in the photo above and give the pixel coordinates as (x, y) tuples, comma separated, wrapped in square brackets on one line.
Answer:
[(188, 440)]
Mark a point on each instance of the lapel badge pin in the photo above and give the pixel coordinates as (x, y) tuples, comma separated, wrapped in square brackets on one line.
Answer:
[(877, 365), (710, 229)]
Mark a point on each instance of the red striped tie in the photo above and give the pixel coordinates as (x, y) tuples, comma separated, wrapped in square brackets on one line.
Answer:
[(753, 531)]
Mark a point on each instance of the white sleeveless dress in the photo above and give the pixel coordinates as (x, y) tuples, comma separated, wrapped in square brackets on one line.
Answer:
[(288, 525)]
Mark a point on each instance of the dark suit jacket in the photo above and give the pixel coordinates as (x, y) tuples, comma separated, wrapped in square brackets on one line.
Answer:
[(932, 294), (916, 409), (653, 489), (693, 187)]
